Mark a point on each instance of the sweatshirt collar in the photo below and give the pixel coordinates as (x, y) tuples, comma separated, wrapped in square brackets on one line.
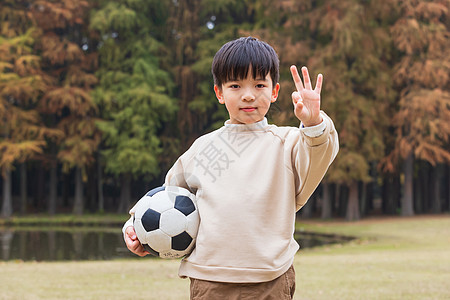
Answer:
[(258, 126)]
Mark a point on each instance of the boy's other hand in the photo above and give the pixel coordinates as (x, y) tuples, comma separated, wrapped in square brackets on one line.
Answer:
[(133, 243), (306, 100)]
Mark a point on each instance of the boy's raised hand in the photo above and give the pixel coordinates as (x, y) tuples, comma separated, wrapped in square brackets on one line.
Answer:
[(306, 100)]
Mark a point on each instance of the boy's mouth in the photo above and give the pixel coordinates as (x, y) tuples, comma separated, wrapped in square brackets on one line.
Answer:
[(248, 109)]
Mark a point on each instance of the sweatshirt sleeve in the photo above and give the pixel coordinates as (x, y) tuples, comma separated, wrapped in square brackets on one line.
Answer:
[(311, 158), (176, 175), (179, 174)]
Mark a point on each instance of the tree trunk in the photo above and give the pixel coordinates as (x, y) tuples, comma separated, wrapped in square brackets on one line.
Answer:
[(397, 191), (436, 207), (352, 213), (125, 194), (306, 211), (342, 198), (370, 190), (23, 188), (65, 190), (370, 196), (78, 204), (101, 197), (91, 190), (428, 186), (407, 199), (364, 206), (417, 188), (39, 196), (53, 186), (7, 196), (326, 201), (423, 194)]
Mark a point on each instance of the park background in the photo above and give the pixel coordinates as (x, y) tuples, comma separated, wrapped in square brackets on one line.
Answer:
[(98, 99)]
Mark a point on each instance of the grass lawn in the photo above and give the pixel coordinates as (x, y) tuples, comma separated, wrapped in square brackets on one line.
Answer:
[(392, 258)]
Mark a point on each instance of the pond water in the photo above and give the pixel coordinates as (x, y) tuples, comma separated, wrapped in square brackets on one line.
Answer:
[(94, 244), (61, 244)]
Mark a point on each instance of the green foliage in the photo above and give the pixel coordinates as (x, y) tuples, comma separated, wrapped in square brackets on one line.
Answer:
[(116, 17), (134, 92), (206, 103)]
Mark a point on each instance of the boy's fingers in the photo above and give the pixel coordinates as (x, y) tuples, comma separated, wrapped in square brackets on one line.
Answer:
[(131, 233), (299, 107), (133, 243), (319, 83), (138, 247), (296, 97), (297, 79), (306, 78)]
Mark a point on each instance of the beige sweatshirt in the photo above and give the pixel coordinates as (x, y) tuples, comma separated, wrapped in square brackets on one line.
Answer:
[(249, 181)]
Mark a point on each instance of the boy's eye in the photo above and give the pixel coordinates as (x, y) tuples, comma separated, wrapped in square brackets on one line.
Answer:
[(260, 85), (234, 86)]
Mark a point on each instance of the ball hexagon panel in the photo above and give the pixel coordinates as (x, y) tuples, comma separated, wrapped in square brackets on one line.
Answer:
[(158, 240), (150, 219), (172, 222), (184, 204), (181, 241)]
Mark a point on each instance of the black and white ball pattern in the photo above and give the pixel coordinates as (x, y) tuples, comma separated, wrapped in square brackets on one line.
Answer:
[(166, 221)]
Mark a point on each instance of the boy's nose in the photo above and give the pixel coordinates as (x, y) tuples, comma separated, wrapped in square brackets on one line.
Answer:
[(248, 96)]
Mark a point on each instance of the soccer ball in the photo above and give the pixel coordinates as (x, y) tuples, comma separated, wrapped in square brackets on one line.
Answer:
[(166, 222)]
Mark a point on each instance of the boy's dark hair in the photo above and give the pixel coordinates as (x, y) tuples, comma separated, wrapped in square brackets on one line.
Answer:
[(233, 60)]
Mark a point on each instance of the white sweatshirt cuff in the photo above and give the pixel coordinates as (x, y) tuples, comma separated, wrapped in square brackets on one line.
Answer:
[(313, 131)]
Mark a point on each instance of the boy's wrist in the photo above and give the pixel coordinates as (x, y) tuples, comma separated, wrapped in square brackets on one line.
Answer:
[(313, 131), (312, 123)]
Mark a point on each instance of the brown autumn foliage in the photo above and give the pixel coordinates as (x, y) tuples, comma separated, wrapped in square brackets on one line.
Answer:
[(21, 84), (70, 72), (422, 35)]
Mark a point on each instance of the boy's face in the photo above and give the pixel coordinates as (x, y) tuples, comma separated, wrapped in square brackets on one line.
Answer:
[(247, 100)]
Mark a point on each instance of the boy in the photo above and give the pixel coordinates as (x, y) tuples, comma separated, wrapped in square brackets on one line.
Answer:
[(250, 178)]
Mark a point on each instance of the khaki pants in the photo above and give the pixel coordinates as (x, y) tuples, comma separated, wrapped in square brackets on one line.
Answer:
[(280, 288)]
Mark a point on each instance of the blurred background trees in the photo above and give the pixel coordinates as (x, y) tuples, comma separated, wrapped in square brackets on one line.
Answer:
[(66, 104), (20, 86), (135, 93), (98, 98), (422, 76)]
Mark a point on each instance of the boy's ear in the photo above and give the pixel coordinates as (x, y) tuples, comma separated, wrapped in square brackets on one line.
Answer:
[(275, 91), (219, 94)]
